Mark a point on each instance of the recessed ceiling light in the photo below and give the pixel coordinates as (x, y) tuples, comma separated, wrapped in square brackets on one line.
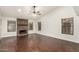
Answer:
[(19, 10)]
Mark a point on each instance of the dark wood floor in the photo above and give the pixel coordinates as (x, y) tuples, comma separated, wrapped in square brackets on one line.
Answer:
[(37, 43)]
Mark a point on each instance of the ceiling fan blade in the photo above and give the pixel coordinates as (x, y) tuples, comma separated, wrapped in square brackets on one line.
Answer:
[(38, 12)]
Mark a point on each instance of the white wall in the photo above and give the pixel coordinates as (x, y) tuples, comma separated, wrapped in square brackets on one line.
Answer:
[(5, 33), (51, 24)]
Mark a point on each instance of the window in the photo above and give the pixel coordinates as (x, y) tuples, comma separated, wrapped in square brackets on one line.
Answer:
[(31, 26), (39, 26), (67, 26), (11, 26)]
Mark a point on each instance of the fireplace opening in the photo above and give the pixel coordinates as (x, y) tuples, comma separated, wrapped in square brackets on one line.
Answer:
[(23, 32)]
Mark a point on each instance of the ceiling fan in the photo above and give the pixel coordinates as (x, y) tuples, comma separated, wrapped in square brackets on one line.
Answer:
[(36, 12)]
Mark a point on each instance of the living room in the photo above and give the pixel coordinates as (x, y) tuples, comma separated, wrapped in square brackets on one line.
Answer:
[(39, 28)]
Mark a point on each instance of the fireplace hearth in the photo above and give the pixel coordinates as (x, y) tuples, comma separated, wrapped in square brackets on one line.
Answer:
[(22, 31)]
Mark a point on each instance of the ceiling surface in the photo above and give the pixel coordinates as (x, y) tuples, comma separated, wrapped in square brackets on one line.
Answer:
[(76, 9), (24, 11)]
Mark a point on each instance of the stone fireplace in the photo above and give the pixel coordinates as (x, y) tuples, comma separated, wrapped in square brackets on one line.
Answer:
[(22, 27)]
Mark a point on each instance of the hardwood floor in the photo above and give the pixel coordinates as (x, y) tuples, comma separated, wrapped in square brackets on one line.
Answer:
[(36, 43)]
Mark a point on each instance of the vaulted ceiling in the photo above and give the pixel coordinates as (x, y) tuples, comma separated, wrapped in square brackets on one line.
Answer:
[(24, 11), (76, 9)]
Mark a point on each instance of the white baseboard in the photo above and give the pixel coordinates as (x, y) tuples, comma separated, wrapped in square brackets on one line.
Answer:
[(59, 38)]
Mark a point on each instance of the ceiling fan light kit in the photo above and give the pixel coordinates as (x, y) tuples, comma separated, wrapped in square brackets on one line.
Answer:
[(36, 12)]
